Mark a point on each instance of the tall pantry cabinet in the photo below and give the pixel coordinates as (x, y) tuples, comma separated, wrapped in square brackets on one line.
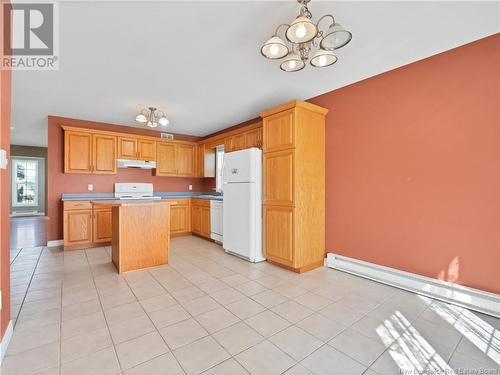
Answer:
[(294, 185)]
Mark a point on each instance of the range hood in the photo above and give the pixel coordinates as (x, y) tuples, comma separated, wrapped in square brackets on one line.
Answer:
[(141, 164)]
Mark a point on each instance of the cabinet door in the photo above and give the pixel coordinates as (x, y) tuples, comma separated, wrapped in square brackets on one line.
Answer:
[(77, 227), (254, 138), (196, 219), (184, 159), (103, 226), (279, 234), (239, 142), (179, 219), (228, 144), (205, 221), (104, 154), (77, 152), (279, 181), (279, 131), (146, 149), (200, 161), (165, 159), (127, 148)]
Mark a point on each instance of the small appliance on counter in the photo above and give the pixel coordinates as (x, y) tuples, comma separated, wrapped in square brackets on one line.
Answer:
[(134, 190), (242, 184)]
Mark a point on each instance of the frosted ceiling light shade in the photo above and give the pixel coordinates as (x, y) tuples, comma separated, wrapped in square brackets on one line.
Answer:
[(274, 48), (292, 63), (141, 118), (323, 58), (301, 30), (336, 37), (163, 121)]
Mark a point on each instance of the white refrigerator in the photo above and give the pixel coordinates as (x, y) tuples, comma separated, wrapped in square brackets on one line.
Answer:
[(242, 212)]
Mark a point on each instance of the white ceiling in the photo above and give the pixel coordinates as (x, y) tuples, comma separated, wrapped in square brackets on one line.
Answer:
[(200, 61)]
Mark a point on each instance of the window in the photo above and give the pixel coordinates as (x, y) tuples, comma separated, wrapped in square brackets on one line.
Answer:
[(219, 162), (24, 182)]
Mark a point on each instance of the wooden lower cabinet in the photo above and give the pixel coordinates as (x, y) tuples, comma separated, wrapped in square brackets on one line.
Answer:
[(200, 217), (77, 227), (102, 228), (180, 216), (196, 219), (279, 241), (205, 222), (85, 226)]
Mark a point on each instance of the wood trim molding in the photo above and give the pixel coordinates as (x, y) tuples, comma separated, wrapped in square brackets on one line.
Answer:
[(216, 139), (294, 104), (124, 135)]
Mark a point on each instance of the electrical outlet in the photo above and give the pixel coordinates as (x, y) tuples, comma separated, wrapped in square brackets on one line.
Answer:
[(190, 187), (90, 187)]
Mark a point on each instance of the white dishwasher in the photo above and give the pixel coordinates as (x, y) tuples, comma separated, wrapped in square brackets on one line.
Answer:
[(216, 220)]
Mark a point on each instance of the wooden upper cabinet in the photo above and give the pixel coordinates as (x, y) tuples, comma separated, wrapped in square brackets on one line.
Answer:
[(127, 148), (254, 138), (146, 149), (77, 152), (200, 160), (184, 159), (228, 144), (279, 131), (175, 159), (165, 159), (239, 142), (104, 154)]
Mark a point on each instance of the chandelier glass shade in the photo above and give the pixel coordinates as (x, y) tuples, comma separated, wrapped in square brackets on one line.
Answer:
[(302, 35), (152, 117)]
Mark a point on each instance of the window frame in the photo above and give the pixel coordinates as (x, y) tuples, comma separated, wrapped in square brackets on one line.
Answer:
[(15, 162)]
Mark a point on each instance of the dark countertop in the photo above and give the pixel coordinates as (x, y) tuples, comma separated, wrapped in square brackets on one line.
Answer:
[(128, 202), (97, 197)]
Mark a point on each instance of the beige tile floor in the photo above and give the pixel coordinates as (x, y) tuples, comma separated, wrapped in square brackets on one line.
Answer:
[(212, 313)]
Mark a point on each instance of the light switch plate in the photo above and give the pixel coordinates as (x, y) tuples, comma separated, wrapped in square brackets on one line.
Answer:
[(3, 159), (190, 187)]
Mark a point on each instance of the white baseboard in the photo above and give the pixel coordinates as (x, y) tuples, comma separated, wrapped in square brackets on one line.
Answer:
[(54, 243), (470, 298), (4, 344)]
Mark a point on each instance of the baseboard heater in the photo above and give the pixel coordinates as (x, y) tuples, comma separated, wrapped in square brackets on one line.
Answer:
[(470, 298)]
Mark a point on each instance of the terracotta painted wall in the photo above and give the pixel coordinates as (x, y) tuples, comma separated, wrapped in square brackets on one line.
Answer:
[(59, 182), (413, 167), (5, 106)]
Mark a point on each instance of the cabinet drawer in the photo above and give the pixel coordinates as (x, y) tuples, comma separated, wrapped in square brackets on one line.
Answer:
[(77, 205), (200, 202), (179, 201)]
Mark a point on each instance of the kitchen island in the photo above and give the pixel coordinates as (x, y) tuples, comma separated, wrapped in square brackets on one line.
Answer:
[(140, 233)]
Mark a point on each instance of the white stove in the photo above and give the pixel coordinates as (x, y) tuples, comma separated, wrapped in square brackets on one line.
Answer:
[(134, 190)]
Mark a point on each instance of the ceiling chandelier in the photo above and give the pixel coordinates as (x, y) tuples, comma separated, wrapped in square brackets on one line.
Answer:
[(152, 116), (303, 35)]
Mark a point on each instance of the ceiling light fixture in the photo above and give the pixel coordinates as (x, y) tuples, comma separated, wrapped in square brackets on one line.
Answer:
[(302, 35), (152, 116)]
